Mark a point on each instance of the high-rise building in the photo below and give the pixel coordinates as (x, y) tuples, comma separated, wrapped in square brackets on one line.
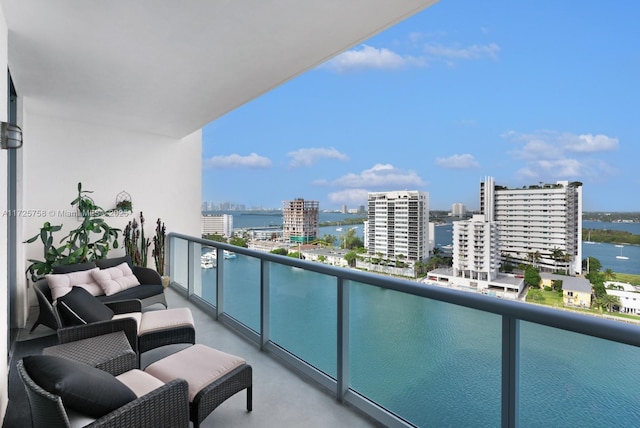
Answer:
[(476, 249), (538, 224), (458, 210), (398, 224), (220, 224), (300, 220)]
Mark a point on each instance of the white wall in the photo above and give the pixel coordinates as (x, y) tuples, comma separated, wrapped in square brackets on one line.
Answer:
[(161, 174), (4, 385)]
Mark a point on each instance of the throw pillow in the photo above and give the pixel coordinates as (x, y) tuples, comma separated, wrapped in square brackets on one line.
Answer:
[(83, 388), (80, 307), (115, 279), (61, 284)]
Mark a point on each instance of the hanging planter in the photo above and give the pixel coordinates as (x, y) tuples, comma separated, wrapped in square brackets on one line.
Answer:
[(123, 202)]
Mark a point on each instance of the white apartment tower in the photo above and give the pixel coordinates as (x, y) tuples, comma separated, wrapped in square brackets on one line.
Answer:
[(300, 220), (539, 224), (458, 210), (398, 224), (476, 249), (220, 224)]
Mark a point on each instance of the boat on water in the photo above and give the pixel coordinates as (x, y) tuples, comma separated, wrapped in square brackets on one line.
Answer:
[(338, 229), (229, 254), (620, 256)]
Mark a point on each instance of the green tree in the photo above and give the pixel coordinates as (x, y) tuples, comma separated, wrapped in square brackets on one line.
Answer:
[(215, 237), (350, 240), (591, 264), (532, 277), (351, 257), (238, 242), (609, 275), (608, 301), (280, 251)]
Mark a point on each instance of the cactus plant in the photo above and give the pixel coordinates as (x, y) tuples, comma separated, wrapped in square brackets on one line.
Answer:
[(135, 244), (158, 247)]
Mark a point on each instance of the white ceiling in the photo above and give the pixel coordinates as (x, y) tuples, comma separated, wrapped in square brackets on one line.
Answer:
[(170, 67)]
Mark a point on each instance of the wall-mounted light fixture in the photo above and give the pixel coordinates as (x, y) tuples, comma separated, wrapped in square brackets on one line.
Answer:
[(10, 136)]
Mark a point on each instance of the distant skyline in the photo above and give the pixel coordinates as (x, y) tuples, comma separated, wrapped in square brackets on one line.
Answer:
[(525, 92)]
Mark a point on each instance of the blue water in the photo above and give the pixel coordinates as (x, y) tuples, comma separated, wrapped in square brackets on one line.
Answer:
[(433, 363)]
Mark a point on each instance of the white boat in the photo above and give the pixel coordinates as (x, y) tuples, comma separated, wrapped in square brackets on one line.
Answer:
[(621, 257), (339, 229), (229, 254)]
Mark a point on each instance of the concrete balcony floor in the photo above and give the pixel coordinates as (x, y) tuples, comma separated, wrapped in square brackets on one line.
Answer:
[(281, 398)]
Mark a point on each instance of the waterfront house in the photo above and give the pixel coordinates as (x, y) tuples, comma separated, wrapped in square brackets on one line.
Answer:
[(576, 291)]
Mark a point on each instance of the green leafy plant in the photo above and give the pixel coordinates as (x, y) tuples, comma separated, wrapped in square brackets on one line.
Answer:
[(81, 244), (124, 205)]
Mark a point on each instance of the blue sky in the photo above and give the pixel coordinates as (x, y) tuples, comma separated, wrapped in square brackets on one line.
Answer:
[(524, 91)]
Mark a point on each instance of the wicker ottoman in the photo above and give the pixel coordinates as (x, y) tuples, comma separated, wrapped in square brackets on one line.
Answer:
[(212, 375)]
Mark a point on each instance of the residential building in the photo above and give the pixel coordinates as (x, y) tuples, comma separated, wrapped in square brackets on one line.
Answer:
[(300, 220), (476, 251), (538, 224), (398, 224), (458, 210), (576, 291), (628, 294), (219, 224)]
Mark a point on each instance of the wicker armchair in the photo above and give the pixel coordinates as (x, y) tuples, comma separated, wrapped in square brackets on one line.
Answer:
[(166, 406)]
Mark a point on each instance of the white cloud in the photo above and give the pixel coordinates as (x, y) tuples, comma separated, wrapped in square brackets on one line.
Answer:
[(237, 161), (455, 52), (555, 155), (465, 161), (351, 197), (368, 57), (588, 143), (308, 157), (380, 175)]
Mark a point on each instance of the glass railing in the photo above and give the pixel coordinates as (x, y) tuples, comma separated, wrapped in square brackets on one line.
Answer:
[(408, 353)]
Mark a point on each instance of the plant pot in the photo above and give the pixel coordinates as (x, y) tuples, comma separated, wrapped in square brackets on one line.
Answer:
[(165, 281)]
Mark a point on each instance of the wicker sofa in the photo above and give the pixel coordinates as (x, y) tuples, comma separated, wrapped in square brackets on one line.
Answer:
[(149, 292)]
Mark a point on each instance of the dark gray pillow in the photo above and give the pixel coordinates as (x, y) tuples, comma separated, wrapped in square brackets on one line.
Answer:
[(73, 268), (109, 263), (83, 388), (79, 307)]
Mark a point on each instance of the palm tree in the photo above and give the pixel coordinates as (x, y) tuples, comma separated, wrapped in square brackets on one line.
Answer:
[(609, 274), (608, 301)]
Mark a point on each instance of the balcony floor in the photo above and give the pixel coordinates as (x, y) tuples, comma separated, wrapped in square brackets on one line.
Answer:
[(281, 398)]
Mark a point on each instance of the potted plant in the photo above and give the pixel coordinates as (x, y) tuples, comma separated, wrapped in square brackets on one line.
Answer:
[(80, 245), (135, 243), (158, 251)]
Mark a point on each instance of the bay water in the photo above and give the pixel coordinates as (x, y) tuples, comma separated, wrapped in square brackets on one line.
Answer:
[(436, 364)]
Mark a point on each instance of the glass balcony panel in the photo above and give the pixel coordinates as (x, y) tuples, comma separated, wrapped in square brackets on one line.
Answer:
[(242, 289), (570, 379), (303, 315), (180, 261), (431, 363), (208, 275)]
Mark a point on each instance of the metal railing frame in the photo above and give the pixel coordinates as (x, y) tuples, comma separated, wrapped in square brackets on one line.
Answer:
[(512, 313)]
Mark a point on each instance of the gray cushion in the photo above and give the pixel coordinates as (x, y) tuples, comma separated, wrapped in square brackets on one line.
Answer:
[(73, 268), (109, 263), (83, 388)]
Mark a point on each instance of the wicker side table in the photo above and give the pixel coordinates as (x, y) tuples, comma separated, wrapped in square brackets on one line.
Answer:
[(109, 352)]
